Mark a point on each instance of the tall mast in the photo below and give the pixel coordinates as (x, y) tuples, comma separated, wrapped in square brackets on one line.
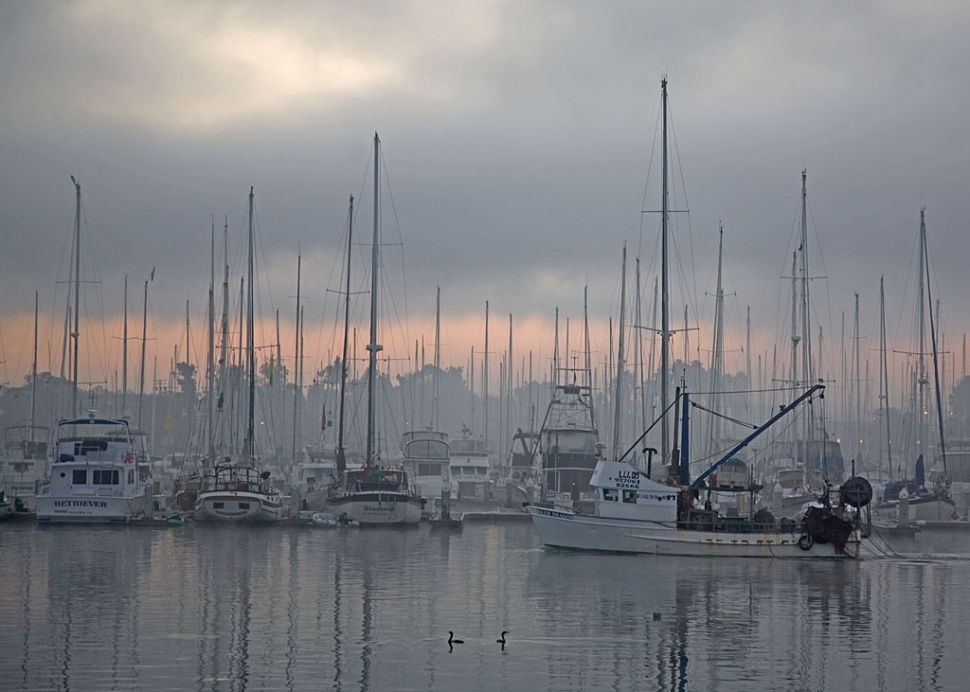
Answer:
[(857, 384), (485, 377), (124, 353), (144, 339), (807, 376), (224, 346), (435, 401), (33, 369), (664, 280), (555, 353), (297, 360), (506, 443), (373, 347), (187, 333), (936, 366), (921, 378), (341, 463), (251, 341), (884, 372), (639, 411), (717, 348), (210, 358), (620, 363), (77, 288)]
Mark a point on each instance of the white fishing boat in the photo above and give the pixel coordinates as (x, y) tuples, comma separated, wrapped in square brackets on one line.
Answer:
[(234, 488), (629, 511), (635, 514), (94, 477)]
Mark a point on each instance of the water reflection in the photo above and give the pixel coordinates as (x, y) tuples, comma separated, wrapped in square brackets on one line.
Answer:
[(235, 608)]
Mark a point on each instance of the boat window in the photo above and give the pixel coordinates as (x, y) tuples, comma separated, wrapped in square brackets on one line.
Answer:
[(218, 505), (429, 469), (243, 505), (104, 477), (80, 477), (630, 496), (610, 494), (131, 475)]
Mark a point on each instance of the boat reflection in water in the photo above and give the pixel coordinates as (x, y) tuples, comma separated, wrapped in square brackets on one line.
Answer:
[(221, 607)]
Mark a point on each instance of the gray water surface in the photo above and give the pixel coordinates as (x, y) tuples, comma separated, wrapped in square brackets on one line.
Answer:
[(271, 608)]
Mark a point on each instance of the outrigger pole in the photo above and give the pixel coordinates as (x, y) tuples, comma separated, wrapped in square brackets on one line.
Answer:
[(746, 441)]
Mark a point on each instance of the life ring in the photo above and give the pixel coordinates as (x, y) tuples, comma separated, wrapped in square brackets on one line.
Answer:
[(128, 457), (806, 541)]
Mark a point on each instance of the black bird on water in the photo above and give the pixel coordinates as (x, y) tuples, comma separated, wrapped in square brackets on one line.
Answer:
[(501, 640), (452, 640)]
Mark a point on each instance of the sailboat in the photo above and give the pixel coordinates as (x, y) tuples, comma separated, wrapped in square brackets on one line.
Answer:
[(799, 468), (23, 458), (927, 499), (233, 489), (93, 475), (374, 494), (632, 512)]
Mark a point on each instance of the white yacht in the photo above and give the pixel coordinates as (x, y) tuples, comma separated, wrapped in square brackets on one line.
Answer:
[(469, 467), (94, 477), (425, 455)]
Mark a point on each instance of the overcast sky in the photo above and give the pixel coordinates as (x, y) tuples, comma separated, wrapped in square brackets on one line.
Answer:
[(521, 146)]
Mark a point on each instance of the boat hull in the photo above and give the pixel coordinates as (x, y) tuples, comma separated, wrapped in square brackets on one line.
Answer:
[(378, 508), (79, 509), (239, 507), (564, 529)]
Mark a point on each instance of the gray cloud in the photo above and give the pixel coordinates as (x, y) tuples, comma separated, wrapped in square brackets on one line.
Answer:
[(518, 139)]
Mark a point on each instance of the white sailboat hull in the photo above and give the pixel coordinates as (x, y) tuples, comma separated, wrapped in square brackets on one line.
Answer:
[(239, 507), (373, 508), (564, 529)]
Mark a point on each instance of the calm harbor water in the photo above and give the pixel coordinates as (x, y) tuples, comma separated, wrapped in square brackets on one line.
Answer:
[(237, 608)]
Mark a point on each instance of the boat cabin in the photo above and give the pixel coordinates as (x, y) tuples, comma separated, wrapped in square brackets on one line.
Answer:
[(622, 492)]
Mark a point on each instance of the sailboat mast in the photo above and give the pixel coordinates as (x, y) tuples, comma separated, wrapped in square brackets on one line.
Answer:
[(373, 347), (33, 369), (807, 377), (857, 383), (936, 366), (224, 346), (717, 348), (884, 371), (250, 340), (664, 280), (485, 377), (77, 288), (210, 358), (124, 353), (921, 318), (297, 360), (618, 410), (435, 401), (341, 464), (144, 339)]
